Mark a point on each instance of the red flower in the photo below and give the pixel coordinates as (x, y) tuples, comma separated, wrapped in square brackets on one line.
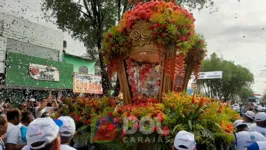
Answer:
[(154, 129), (164, 35), (142, 14), (156, 25), (119, 111), (165, 131), (160, 117), (72, 114), (110, 35), (78, 118), (153, 115), (110, 127), (88, 122), (155, 33), (123, 132), (183, 38), (116, 120), (110, 114), (164, 26)]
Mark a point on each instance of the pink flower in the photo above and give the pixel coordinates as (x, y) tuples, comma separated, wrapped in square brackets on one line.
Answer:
[(160, 117)]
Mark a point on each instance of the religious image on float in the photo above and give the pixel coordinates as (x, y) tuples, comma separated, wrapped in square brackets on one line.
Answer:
[(144, 77)]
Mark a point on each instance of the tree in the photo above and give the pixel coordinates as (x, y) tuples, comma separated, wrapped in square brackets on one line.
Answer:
[(244, 93), (235, 78), (87, 20)]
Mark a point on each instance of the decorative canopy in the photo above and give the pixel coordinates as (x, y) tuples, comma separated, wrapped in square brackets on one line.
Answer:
[(153, 37)]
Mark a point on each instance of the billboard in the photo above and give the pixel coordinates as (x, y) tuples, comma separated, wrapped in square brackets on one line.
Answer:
[(86, 83)]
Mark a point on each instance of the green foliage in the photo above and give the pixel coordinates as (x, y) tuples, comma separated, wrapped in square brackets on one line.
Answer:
[(235, 77), (245, 92)]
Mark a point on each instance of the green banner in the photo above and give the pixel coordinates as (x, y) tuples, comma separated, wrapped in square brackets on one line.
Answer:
[(20, 73)]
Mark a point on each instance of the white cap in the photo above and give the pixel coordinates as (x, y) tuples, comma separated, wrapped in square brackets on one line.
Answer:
[(250, 114), (42, 130), (261, 116), (238, 123), (32, 100), (184, 138), (68, 126)]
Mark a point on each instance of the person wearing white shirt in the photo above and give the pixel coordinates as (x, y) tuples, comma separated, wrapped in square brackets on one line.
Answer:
[(261, 145), (260, 126), (46, 107), (13, 135), (245, 139), (67, 131)]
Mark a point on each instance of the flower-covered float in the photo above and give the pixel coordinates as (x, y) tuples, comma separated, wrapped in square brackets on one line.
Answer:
[(154, 49)]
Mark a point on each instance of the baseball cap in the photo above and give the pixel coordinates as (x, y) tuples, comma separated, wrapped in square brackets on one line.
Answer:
[(261, 145), (250, 114), (238, 123), (32, 100), (68, 128), (186, 139), (261, 116), (42, 130)]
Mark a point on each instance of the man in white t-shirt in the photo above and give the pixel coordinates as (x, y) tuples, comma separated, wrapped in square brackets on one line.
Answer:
[(13, 134), (67, 131), (46, 107), (260, 120), (245, 139)]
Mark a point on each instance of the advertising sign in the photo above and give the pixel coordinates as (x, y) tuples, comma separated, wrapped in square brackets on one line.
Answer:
[(42, 72), (86, 83), (209, 75)]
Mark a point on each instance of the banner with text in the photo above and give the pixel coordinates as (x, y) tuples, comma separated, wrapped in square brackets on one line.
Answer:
[(42, 72), (86, 83), (209, 75)]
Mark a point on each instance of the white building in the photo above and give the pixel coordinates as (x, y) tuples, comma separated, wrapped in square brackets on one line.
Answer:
[(21, 36)]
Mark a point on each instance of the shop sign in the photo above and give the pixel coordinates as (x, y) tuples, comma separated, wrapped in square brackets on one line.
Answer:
[(86, 83), (42, 72)]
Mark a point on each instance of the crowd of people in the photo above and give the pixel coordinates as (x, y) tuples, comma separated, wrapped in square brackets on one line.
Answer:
[(29, 127)]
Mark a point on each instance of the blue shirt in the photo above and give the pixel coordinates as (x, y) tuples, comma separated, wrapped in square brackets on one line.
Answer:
[(23, 130)]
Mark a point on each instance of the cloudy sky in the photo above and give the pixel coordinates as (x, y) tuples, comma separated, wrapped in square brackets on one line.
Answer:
[(236, 32)]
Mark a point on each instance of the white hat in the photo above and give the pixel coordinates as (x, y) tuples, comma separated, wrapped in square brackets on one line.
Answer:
[(68, 126), (250, 114), (42, 130), (261, 116), (238, 123), (260, 145), (184, 138), (32, 100)]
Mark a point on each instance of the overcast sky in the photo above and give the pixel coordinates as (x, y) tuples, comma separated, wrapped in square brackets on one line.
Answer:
[(236, 32)]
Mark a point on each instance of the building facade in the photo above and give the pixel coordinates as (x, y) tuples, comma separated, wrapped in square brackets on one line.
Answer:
[(30, 58)]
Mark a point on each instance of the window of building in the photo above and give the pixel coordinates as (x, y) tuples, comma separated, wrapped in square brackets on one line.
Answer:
[(83, 69)]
